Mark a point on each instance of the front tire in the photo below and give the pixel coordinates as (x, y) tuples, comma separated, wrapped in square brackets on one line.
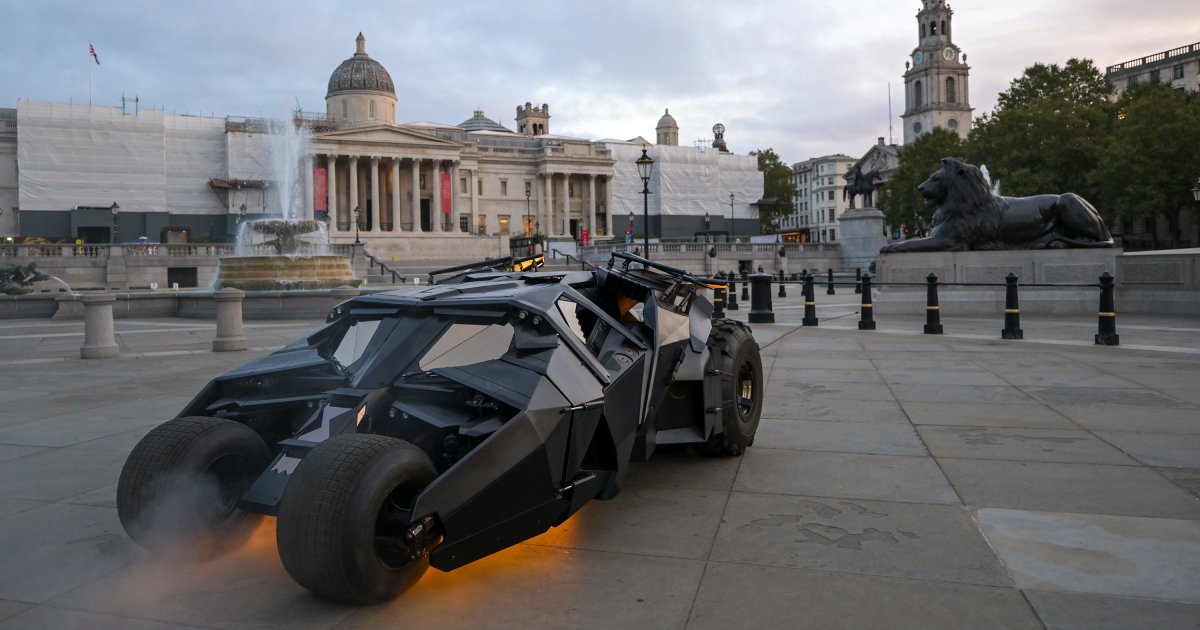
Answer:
[(349, 497), (179, 488), (735, 354)]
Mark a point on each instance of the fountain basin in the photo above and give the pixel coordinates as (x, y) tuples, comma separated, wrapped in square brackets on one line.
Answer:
[(285, 273)]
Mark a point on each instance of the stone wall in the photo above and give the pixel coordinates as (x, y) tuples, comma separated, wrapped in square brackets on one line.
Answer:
[(1160, 282)]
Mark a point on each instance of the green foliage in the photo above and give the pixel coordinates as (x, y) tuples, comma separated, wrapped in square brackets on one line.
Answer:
[(899, 199), (1047, 131), (1152, 159), (777, 186)]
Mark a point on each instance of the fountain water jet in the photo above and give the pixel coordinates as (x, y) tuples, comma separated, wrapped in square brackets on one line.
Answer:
[(287, 251)]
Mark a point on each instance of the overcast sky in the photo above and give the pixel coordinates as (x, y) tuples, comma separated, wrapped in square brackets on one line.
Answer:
[(806, 78)]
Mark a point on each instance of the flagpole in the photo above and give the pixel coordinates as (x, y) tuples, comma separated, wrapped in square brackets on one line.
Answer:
[(89, 64)]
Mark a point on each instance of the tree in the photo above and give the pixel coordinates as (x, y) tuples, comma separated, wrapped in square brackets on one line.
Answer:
[(778, 189), (1151, 162), (1047, 131), (899, 199)]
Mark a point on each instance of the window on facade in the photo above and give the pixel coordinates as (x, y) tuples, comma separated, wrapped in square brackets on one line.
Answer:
[(917, 128), (345, 109), (481, 225), (918, 94), (1155, 76), (480, 187), (944, 32), (504, 224), (951, 90), (371, 108), (464, 223), (933, 28), (1177, 73), (504, 188), (952, 123), (462, 185), (831, 195), (832, 234)]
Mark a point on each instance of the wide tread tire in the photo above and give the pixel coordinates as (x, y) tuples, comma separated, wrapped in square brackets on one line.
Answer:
[(734, 350), (167, 494), (327, 517)]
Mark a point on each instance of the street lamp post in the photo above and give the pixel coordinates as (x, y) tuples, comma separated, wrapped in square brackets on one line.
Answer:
[(357, 213), (645, 167), (707, 229), (1196, 190), (732, 224), (528, 226), (115, 209)]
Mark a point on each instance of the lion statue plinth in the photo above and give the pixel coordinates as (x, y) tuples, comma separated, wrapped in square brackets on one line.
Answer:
[(970, 217)]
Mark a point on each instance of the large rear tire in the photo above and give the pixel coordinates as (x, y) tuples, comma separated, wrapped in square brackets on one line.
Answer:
[(178, 492), (735, 354), (342, 511)]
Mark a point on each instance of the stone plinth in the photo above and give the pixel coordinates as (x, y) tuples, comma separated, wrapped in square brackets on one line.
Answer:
[(1057, 266), (99, 340), (1164, 282), (861, 236)]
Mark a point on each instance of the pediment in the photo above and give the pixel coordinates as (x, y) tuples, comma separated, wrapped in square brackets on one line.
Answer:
[(391, 135), (880, 157)]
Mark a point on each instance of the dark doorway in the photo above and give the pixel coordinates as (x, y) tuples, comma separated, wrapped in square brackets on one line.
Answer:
[(370, 217), (94, 235), (184, 277), (425, 225), (575, 229)]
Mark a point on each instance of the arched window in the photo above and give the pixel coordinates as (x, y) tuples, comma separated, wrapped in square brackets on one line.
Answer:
[(918, 95), (944, 31), (371, 108), (345, 109), (951, 91), (933, 28)]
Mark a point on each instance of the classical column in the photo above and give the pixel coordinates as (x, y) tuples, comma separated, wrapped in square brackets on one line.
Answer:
[(376, 207), (309, 164), (544, 204), (455, 191), (591, 218), (435, 194), (331, 186), (607, 203), (566, 205), (353, 184), (471, 175), (416, 195), (394, 215)]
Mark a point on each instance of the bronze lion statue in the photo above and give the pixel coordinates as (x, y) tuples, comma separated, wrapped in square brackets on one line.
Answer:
[(970, 217)]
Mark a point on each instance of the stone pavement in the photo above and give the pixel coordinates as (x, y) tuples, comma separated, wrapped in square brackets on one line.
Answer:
[(897, 480)]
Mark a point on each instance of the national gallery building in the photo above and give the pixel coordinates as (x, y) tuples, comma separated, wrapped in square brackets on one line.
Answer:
[(103, 174)]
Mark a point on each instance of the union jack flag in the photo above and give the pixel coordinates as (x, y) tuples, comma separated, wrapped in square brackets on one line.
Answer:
[(92, 52)]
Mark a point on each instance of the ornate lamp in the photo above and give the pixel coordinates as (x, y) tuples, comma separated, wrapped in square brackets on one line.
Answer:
[(645, 166), (115, 210)]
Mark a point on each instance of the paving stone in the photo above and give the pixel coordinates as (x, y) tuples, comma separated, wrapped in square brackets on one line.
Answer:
[(1088, 553), (15, 451), (904, 378), (960, 394), (1071, 611), (794, 407), (746, 596), (11, 609), (671, 522), (1133, 419), (53, 548), (1022, 444), (1054, 487), (98, 421), (1066, 378), (1157, 449), (986, 415), (684, 469), (807, 363), (831, 391), (930, 542), (1186, 478), (52, 617), (8, 507), (794, 375), (1062, 395), (844, 475), (58, 473), (843, 437), (543, 587)]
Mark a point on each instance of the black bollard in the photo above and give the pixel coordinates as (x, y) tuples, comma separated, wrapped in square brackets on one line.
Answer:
[(867, 320), (760, 300), (731, 302), (782, 288), (810, 303), (830, 290), (1107, 333), (746, 288), (858, 288), (1012, 311), (933, 312), (781, 278), (719, 298)]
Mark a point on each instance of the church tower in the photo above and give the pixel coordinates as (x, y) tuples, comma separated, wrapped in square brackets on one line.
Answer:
[(936, 84)]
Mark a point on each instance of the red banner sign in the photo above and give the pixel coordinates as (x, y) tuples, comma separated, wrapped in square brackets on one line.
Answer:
[(320, 188), (446, 199), (584, 237)]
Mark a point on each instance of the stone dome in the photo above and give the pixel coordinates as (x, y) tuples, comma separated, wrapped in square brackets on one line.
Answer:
[(667, 121), (360, 73), (667, 130)]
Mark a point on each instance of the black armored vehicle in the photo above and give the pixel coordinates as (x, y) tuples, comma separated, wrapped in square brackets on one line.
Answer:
[(437, 425)]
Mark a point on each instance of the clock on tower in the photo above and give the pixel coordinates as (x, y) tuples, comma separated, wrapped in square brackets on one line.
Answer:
[(936, 86)]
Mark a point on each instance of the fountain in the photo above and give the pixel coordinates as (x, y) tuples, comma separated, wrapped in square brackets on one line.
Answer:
[(286, 252)]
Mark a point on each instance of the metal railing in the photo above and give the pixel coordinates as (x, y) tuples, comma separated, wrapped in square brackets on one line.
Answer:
[(162, 250)]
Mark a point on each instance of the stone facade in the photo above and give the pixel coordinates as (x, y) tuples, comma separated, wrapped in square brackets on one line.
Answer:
[(1179, 67), (819, 201)]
